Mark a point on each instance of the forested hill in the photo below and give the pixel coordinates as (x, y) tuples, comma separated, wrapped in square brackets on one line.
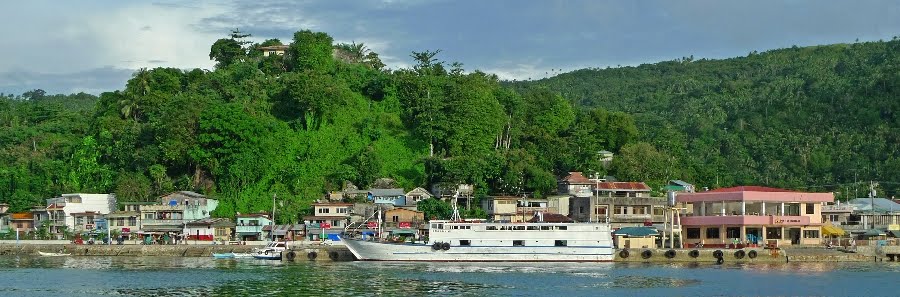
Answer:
[(317, 118), (800, 117)]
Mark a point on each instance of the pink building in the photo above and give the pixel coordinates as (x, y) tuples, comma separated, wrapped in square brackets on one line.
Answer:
[(752, 215)]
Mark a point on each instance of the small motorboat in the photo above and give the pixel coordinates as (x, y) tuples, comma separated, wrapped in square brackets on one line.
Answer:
[(53, 254), (242, 255), (223, 255), (271, 251)]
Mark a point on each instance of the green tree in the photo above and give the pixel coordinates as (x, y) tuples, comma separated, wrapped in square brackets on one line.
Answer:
[(311, 51)]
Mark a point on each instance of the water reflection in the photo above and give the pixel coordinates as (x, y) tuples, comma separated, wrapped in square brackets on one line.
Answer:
[(176, 276)]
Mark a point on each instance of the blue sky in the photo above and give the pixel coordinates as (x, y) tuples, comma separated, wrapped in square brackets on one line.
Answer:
[(94, 46)]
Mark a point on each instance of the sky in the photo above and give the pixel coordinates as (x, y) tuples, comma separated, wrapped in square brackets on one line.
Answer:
[(95, 46)]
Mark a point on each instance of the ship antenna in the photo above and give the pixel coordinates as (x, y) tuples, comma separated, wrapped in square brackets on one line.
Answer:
[(455, 216)]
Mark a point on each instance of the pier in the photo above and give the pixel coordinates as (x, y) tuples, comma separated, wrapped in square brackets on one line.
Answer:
[(301, 252)]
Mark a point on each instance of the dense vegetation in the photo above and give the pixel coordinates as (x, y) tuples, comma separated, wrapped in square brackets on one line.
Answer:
[(298, 125), (819, 118), (326, 115)]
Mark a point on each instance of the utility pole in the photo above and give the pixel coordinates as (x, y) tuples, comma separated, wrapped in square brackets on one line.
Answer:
[(872, 194)]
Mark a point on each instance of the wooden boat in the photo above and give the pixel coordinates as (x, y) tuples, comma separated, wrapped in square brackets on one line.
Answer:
[(223, 255), (53, 254)]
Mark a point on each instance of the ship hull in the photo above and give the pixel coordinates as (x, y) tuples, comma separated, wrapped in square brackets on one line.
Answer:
[(381, 251)]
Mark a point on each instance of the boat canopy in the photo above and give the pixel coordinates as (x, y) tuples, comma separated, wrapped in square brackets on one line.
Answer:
[(636, 231)]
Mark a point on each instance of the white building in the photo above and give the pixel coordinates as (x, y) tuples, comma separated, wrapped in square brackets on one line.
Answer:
[(61, 208)]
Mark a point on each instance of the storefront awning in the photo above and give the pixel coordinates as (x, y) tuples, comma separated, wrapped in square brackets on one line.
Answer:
[(636, 231), (831, 230)]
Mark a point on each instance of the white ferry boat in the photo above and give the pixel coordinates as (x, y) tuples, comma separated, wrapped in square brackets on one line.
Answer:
[(458, 241)]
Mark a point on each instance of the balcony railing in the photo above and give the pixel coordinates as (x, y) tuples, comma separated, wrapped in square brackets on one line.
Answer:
[(162, 221), (248, 229)]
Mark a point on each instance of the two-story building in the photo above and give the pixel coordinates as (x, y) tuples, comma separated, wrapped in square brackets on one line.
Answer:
[(85, 221), (210, 229), (576, 185), (418, 194), (328, 218), (464, 193), (513, 209), (622, 204), (22, 222), (394, 197), (60, 209), (173, 210), (250, 226), (752, 215)]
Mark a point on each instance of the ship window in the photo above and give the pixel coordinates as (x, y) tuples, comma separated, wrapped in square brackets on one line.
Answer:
[(532, 227), (440, 226), (490, 228), (520, 227), (545, 227), (562, 227), (560, 243), (518, 243), (465, 243)]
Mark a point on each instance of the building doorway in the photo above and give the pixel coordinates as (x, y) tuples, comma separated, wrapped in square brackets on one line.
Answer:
[(754, 235), (794, 234)]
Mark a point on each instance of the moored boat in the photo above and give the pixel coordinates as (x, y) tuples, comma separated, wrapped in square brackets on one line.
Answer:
[(53, 254), (272, 251), (496, 242)]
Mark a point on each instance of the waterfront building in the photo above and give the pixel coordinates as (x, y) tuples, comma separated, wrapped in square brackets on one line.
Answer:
[(124, 222), (861, 215), (635, 237), (752, 215), (399, 221), (21, 222), (175, 209), (250, 226), (285, 232), (210, 229), (85, 221), (60, 209), (328, 218), (622, 204)]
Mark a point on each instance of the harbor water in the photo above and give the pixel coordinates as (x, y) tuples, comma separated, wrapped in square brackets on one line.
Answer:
[(195, 276)]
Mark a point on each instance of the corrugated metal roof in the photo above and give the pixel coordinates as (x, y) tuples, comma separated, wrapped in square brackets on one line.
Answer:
[(750, 189), (386, 192), (881, 204), (633, 186), (636, 231), (576, 178), (22, 216)]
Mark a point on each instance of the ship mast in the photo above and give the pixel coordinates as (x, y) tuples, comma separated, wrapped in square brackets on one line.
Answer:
[(455, 216)]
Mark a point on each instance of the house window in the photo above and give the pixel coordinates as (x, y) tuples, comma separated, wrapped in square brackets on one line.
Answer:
[(465, 243), (659, 211), (79, 221), (733, 232), (620, 210), (712, 232), (395, 219), (560, 243), (323, 210), (19, 225), (600, 210), (132, 221), (810, 233), (148, 216), (343, 210), (810, 208), (336, 223), (693, 233), (773, 232), (518, 243)]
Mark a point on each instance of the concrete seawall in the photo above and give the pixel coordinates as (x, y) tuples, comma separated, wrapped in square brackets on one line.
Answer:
[(302, 253), (732, 256)]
